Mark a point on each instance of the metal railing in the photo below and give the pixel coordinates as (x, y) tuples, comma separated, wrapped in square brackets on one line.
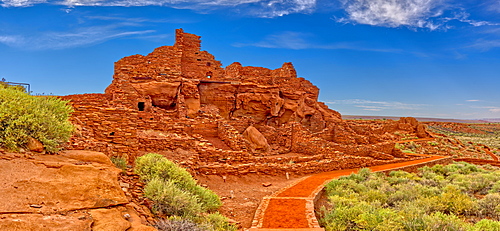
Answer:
[(26, 86)]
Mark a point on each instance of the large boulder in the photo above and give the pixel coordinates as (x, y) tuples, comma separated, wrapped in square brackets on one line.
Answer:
[(257, 141)]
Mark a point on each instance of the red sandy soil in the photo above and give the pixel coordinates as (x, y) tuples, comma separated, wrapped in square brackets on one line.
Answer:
[(290, 213), (247, 193), (286, 213)]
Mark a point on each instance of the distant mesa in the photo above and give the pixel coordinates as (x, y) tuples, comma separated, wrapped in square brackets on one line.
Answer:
[(180, 99)]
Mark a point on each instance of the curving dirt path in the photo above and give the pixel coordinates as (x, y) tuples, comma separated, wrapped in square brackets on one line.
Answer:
[(292, 208)]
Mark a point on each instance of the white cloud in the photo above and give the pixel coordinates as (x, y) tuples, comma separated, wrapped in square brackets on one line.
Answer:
[(473, 100), (464, 17), (369, 105), (286, 40), (431, 14), (485, 45), (20, 3), (393, 13), (494, 5), (61, 40), (299, 41), (260, 8), (493, 109), (10, 40)]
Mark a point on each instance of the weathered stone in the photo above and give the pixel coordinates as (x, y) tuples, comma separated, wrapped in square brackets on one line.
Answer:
[(34, 145), (179, 101), (57, 184), (257, 141), (109, 220), (40, 222)]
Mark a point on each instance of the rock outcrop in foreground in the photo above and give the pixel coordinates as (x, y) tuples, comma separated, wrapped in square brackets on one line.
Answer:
[(181, 102), (74, 190)]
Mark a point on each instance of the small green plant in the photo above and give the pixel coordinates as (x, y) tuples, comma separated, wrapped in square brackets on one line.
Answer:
[(177, 224), (23, 116), (442, 197), (119, 162), (175, 193), (433, 143)]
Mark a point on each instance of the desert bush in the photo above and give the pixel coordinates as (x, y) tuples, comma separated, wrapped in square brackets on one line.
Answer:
[(489, 206), (217, 222), (152, 166), (486, 225), (175, 193), (436, 198), (23, 116), (456, 202), (119, 162), (448, 222), (177, 224), (170, 200), (495, 188), (343, 217), (155, 166), (404, 192), (475, 183)]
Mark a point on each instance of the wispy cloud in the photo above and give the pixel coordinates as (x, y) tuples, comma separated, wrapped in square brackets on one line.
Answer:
[(430, 14), (259, 8), (464, 17), (299, 41), (393, 13), (61, 40), (494, 5), (493, 109), (473, 100), (485, 44), (21, 3), (369, 105)]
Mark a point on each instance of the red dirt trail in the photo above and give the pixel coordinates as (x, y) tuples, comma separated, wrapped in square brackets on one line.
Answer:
[(289, 210)]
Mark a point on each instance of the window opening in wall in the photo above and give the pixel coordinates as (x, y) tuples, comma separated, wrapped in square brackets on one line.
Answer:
[(198, 59), (209, 74), (141, 106), (208, 64), (112, 133)]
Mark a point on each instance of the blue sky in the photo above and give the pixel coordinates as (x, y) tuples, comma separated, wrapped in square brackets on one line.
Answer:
[(423, 58)]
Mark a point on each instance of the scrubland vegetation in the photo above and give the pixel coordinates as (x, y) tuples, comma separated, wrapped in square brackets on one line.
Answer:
[(23, 116), (486, 134), (458, 196), (183, 204)]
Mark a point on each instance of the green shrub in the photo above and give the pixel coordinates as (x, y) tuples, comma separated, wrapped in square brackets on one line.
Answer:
[(119, 162), (152, 166), (344, 217), (217, 222), (170, 200), (436, 198), (23, 116), (486, 225), (489, 206), (441, 221), (175, 193), (177, 224)]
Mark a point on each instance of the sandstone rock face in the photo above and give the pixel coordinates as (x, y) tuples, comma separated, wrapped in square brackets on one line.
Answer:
[(257, 141), (73, 190), (182, 78), (179, 99)]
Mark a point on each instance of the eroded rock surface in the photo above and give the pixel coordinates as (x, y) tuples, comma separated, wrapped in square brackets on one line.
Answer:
[(179, 99), (73, 190)]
